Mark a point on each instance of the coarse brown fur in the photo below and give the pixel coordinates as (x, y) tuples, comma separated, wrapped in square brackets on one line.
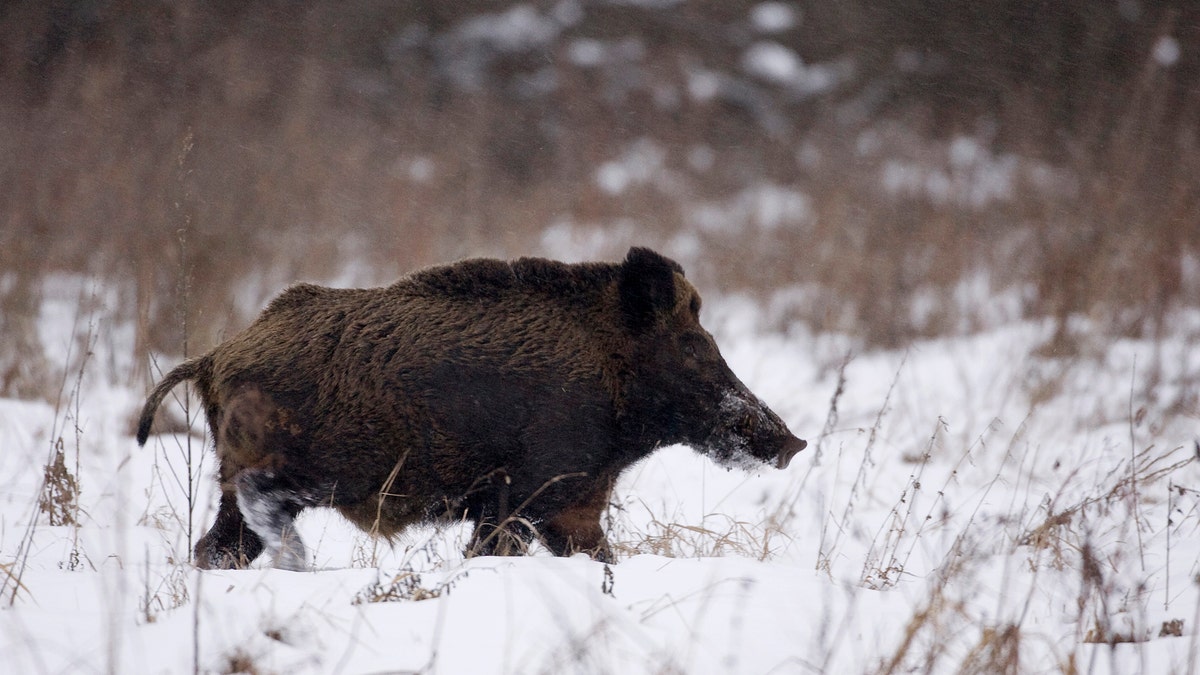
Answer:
[(511, 393)]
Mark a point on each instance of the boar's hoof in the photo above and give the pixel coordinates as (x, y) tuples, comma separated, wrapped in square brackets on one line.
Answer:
[(791, 448), (213, 558), (228, 544)]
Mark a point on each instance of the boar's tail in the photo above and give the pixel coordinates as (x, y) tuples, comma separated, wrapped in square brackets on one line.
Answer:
[(188, 370)]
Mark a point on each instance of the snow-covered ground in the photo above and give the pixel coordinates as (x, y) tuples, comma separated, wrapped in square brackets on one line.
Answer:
[(966, 505)]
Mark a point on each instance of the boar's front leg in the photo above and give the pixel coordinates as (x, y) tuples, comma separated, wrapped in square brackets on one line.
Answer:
[(498, 531), (499, 537), (228, 544), (576, 528)]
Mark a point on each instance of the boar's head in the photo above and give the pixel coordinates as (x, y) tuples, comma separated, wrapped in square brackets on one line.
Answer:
[(680, 388)]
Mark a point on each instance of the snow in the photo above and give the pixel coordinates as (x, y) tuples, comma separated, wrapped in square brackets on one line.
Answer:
[(971, 176), (466, 52), (586, 52), (591, 53), (766, 206), (1166, 51), (780, 65), (421, 169), (701, 158), (773, 61), (518, 28), (647, 4), (952, 496), (774, 17), (643, 162), (702, 84)]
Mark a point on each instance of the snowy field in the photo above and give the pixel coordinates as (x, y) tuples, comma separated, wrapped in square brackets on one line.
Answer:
[(965, 505)]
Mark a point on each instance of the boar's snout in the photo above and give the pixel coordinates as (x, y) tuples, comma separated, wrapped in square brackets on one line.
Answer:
[(769, 437), (756, 436), (791, 447)]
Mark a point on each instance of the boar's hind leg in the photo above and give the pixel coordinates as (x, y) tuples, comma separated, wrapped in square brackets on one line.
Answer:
[(228, 544), (270, 508)]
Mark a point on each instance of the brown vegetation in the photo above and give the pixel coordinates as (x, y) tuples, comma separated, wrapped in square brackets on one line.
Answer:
[(194, 149)]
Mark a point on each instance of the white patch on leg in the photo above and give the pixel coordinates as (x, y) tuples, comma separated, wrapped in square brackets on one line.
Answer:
[(266, 516)]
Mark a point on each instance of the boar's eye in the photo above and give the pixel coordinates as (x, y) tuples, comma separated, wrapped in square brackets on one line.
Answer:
[(693, 345), (695, 306)]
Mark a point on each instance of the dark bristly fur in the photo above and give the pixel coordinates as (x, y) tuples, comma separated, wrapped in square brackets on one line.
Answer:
[(511, 393)]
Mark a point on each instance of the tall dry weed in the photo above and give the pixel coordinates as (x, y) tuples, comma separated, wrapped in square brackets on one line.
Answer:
[(314, 151)]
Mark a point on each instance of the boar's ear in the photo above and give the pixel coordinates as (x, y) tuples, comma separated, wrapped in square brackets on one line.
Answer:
[(647, 286)]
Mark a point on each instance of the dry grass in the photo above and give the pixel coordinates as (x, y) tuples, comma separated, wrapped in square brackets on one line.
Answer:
[(719, 535), (281, 150), (241, 662), (935, 617), (169, 593), (59, 500), (405, 585)]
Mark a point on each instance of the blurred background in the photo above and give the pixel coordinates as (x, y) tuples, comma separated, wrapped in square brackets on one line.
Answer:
[(887, 169)]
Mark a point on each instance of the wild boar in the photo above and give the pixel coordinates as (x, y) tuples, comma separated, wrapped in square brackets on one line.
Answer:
[(510, 394)]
